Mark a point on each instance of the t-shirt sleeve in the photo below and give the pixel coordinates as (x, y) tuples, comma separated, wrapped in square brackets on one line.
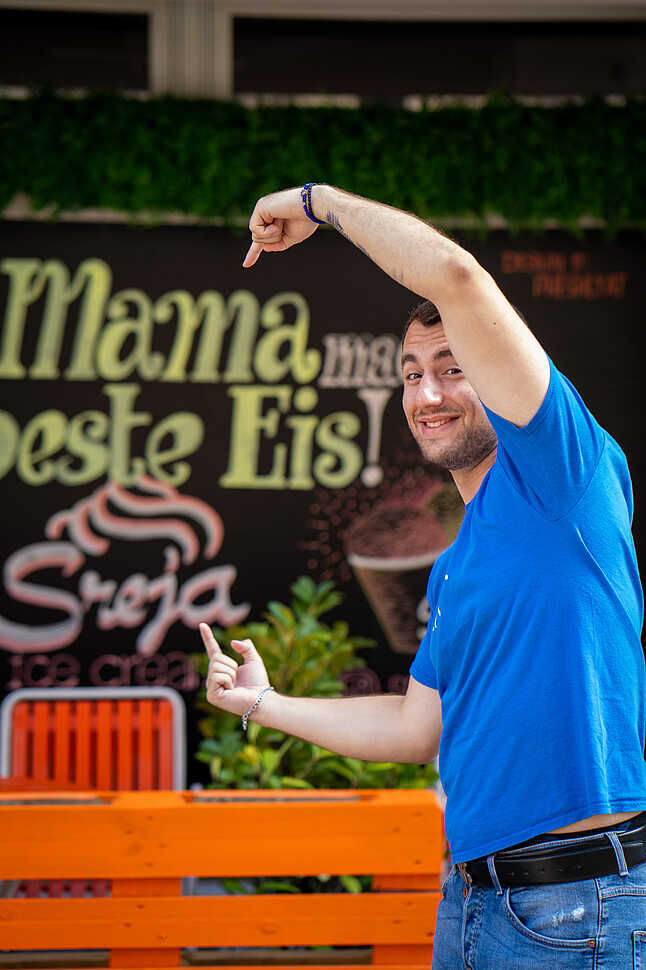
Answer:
[(552, 459), (422, 669)]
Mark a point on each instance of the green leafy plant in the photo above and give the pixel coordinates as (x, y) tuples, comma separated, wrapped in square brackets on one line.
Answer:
[(304, 656)]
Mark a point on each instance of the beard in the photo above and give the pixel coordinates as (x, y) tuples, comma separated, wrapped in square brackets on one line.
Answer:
[(467, 450)]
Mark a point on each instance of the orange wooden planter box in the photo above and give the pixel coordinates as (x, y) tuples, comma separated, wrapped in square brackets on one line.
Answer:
[(145, 842)]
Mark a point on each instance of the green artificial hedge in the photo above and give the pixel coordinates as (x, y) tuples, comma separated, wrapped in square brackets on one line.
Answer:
[(213, 159)]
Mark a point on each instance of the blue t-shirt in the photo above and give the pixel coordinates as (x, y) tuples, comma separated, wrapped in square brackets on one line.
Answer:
[(534, 637)]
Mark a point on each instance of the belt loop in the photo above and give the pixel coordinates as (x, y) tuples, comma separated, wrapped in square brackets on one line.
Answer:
[(494, 877), (464, 872), (619, 852)]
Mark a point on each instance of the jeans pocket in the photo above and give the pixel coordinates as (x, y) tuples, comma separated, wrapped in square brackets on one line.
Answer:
[(561, 915), (639, 950)]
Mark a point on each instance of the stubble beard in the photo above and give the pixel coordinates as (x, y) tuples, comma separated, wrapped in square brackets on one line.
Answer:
[(467, 450)]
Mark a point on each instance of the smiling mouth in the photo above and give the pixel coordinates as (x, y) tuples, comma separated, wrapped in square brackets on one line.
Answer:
[(438, 423)]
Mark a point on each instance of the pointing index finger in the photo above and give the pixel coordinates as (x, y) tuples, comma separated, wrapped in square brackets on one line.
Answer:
[(252, 255), (211, 644)]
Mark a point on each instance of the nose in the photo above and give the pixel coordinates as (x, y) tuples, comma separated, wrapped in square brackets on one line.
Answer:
[(429, 391)]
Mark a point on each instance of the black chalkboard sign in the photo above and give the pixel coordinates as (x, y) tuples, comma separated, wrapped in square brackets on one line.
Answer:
[(181, 438)]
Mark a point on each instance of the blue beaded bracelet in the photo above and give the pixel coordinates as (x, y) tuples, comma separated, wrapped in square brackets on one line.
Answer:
[(306, 196)]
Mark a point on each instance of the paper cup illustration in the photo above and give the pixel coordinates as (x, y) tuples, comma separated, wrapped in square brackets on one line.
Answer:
[(391, 549)]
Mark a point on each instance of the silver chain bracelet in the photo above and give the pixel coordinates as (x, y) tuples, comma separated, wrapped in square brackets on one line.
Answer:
[(256, 703)]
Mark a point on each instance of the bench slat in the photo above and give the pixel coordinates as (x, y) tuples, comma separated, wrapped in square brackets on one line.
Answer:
[(127, 839), (252, 966), (291, 920)]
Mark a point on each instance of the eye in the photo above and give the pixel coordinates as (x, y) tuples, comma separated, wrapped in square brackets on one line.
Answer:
[(411, 376), (453, 371)]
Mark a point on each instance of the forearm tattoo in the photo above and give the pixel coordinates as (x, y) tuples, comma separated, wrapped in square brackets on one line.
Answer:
[(397, 274), (333, 220)]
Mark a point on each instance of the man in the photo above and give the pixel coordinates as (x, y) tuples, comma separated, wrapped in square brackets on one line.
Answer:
[(531, 669)]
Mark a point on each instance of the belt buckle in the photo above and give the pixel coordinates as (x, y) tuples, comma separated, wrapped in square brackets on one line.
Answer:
[(464, 872)]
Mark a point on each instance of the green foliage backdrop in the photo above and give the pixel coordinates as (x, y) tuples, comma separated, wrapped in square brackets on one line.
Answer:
[(213, 159)]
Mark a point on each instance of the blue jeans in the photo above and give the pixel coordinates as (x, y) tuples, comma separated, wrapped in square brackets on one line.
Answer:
[(595, 924)]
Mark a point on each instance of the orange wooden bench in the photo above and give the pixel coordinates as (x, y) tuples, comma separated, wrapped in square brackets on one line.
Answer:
[(146, 842)]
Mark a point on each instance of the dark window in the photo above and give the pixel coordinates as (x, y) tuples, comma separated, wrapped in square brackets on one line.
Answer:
[(84, 50), (386, 61)]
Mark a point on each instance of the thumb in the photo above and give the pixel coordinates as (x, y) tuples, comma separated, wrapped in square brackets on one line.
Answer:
[(246, 649), (211, 644)]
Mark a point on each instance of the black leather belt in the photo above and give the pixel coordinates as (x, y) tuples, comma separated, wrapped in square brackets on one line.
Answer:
[(585, 860)]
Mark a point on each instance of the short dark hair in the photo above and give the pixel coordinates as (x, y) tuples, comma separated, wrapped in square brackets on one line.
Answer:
[(428, 315), (425, 313)]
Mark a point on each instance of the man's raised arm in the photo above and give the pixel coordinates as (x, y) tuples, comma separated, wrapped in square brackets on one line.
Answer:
[(500, 357)]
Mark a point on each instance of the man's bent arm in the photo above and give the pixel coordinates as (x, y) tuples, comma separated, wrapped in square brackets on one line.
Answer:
[(500, 357), (383, 727), (380, 727)]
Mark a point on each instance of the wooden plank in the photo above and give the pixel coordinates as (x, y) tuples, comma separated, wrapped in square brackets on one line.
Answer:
[(282, 819), (137, 956), (164, 725), (224, 966), (394, 797), (406, 880), (83, 748), (145, 957), (164, 834), (62, 750), (125, 760), (145, 744), (147, 922), (104, 766), (126, 888), (387, 955), (41, 736), (209, 857), (20, 737)]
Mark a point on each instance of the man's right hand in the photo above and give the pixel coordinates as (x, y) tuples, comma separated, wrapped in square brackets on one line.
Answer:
[(278, 222), (231, 686)]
